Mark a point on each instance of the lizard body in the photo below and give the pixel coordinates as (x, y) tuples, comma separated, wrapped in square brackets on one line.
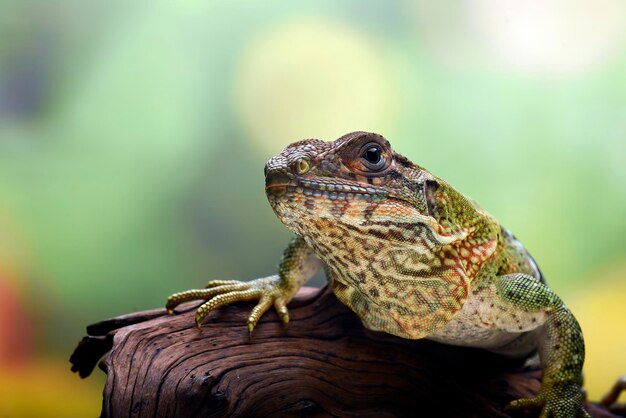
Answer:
[(411, 256)]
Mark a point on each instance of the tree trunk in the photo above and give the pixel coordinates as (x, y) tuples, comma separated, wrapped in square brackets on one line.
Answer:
[(324, 363)]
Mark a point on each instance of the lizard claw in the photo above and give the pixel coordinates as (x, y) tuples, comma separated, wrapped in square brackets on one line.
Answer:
[(195, 294), (281, 308), (268, 291), (525, 404), (261, 307), (553, 404)]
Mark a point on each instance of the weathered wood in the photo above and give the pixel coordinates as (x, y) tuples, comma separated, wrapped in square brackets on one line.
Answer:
[(324, 363)]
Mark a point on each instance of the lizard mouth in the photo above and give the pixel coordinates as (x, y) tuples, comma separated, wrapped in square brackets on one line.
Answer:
[(277, 178), (281, 184), (277, 183)]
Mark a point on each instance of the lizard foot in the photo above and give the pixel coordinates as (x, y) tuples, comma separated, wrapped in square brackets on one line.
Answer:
[(561, 403), (268, 291)]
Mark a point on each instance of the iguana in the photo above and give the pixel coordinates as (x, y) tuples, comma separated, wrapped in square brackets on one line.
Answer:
[(411, 256)]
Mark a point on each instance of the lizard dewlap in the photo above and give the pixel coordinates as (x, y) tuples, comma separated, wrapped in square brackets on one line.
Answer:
[(411, 256)]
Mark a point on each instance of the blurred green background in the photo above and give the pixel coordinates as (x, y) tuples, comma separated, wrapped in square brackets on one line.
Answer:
[(133, 137)]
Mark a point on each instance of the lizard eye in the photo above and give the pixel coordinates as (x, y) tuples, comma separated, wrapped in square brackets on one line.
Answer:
[(372, 157), (302, 165)]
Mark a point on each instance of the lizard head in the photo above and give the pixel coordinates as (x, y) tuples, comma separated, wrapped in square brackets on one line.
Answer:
[(353, 180), (389, 231)]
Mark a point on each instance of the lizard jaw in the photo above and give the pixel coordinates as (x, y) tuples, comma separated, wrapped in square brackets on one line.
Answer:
[(277, 183)]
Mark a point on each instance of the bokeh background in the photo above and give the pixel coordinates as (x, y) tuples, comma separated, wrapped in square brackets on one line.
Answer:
[(133, 137)]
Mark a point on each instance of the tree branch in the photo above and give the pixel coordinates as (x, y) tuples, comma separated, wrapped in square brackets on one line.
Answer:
[(324, 363)]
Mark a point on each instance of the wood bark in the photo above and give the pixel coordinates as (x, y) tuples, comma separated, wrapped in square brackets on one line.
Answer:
[(323, 363)]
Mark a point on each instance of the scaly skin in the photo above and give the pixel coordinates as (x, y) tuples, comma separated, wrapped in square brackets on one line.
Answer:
[(412, 257)]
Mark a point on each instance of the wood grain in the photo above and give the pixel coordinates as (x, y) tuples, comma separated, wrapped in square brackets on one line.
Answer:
[(323, 363)]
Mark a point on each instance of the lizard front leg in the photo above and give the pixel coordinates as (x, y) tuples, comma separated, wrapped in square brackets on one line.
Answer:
[(297, 266), (521, 303)]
